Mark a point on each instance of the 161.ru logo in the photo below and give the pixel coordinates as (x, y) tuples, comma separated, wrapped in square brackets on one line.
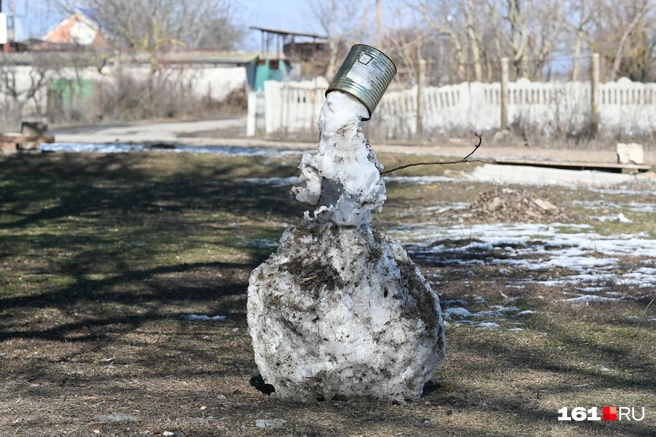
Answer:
[(607, 413)]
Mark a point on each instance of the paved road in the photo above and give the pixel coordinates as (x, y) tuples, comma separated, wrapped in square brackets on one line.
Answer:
[(149, 132)]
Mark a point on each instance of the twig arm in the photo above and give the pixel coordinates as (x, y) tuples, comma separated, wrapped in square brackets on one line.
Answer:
[(415, 164)]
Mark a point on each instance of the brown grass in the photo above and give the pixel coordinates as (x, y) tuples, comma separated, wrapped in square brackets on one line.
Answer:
[(100, 255)]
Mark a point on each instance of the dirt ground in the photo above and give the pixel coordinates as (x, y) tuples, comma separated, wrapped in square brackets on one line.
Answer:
[(102, 256)]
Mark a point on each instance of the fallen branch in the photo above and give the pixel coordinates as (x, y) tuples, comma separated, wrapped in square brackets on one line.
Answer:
[(465, 159)]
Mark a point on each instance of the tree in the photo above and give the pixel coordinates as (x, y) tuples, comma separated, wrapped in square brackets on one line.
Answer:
[(579, 15), (152, 25), (622, 32), (481, 32), (443, 18), (343, 22)]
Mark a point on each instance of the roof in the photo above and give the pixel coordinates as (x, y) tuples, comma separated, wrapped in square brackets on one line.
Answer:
[(201, 57), (92, 15), (64, 58), (288, 32), (88, 15), (192, 57)]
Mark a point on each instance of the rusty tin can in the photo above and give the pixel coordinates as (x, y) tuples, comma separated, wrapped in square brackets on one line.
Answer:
[(365, 74)]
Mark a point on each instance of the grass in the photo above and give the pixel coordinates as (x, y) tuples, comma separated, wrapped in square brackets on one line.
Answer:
[(101, 254)]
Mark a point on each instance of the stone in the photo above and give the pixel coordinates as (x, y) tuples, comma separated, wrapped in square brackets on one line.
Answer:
[(545, 204), (501, 136), (631, 153), (494, 204), (118, 418), (270, 423), (8, 148)]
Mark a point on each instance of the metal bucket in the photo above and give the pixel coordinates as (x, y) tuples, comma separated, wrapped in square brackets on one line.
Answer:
[(365, 74)]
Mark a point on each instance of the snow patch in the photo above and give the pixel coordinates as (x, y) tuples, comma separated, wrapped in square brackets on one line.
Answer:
[(170, 148), (201, 317), (536, 247)]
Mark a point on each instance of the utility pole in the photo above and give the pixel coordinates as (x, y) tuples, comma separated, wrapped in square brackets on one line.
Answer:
[(13, 19), (5, 47)]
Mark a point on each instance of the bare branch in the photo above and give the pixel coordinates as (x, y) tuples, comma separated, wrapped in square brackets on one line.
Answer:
[(149, 26), (622, 43), (465, 159)]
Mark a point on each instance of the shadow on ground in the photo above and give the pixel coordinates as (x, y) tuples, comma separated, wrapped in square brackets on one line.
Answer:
[(100, 255)]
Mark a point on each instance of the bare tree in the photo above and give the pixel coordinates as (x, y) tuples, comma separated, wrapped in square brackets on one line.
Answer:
[(546, 35), (480, 30), (24, 88), (343, 22), (622, 32), (152, 25), (442, 16), (474, 39), (518, 18), (532, 34), (17, 95), (578, 15), (405, 47)]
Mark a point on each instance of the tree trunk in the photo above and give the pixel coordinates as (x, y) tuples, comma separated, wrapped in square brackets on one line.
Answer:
[(473, 41), (620, 48), (154, 61), (577, 54), (330, 70), (519, 19)]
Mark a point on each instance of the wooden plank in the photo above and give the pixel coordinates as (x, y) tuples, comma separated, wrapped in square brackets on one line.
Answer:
[(21, 138), (576, 165)]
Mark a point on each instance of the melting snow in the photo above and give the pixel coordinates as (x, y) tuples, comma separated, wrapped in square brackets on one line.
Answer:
[(421, 179), (274, 182), (591, 298), (576, 247), (601, 204), (526, 313), (456, 311), (488, 325), (591, 259), (173, 148), (201, 317), (621, 218)]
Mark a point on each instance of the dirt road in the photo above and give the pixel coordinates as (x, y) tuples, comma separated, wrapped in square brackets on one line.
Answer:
[(231, 132)]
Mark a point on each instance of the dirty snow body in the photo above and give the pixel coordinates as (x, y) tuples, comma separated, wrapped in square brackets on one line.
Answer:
[(340, 310)]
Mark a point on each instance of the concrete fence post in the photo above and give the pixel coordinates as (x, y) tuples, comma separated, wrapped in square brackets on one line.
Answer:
[(421, 79), (251, 120), (503, 98), (594, 91), (273, 106)]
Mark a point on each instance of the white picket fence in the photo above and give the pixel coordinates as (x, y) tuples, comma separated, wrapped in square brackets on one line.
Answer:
[(624, 105)]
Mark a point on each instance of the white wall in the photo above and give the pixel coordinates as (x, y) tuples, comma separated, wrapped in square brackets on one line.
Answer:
[(204, 80)]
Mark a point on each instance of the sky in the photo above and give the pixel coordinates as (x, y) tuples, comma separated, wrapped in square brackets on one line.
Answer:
[(277, 14), (37, 16), (285, 14)]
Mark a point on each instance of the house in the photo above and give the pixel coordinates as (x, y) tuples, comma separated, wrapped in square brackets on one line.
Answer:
[(81, 27), (288, 54)]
